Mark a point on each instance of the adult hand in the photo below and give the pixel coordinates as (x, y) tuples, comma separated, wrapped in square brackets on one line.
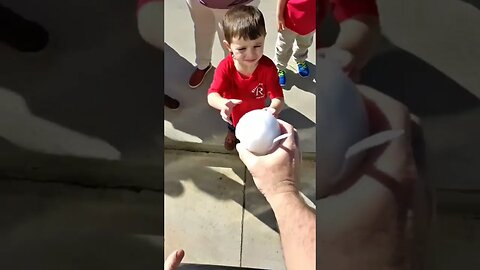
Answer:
[(276, 172), (226, 110), (376, 218), (276, 176), (173, 260)]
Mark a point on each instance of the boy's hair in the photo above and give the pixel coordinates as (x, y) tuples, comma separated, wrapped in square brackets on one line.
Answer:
[(243, 22)]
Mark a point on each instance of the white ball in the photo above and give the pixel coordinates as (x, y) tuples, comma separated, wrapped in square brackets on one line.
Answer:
[(341, 122), (256, 131)]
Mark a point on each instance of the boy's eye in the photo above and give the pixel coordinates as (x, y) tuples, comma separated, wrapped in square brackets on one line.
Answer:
[(241, 49), (258, 46)]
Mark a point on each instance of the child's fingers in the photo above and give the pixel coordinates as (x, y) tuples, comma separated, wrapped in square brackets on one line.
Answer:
[(225, 116), (235, 101)]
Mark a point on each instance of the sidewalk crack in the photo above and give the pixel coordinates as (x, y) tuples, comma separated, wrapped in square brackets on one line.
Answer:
[(243, 214)]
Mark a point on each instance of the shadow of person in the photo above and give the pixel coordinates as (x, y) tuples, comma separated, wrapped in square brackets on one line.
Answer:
[(60, 227), (421, 87), (72, 249), (295, 118), (210, 173), (194, 110), (83, 82), (473, 3), (305, 84)]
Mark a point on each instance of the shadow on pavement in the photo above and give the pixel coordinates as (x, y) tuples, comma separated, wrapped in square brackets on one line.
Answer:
[(295, 118), (474, 3), (421, 87), (189, 167), (96, 76), (305, 84)]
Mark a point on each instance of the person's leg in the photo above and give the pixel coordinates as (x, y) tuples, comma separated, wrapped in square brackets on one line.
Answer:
[(219, 13), (301, 53), (20, 33), (204, 33), (283, 52)]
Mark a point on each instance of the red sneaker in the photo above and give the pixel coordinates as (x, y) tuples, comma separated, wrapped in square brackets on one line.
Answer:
[(198, 76), (230, 141)]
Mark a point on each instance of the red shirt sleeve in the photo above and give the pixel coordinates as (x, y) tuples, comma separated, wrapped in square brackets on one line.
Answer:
[(346, 9), (221, 79)]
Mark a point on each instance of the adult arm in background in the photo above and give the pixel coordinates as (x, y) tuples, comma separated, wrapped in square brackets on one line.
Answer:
[(359, 32), (379, 217), (276, 176)]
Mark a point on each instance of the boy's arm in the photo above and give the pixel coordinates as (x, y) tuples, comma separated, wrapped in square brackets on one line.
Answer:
[(277, 105), (216, 101), (224, 105)]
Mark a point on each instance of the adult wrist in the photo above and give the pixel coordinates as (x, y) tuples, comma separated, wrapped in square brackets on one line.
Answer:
[(279, 199)]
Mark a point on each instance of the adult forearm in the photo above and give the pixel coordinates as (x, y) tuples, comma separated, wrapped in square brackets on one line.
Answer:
[(296, 222)]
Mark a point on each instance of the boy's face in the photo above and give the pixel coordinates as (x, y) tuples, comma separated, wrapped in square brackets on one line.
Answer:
[(246, 52)]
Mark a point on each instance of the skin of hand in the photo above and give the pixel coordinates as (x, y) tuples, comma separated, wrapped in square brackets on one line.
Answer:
[(358, 36), (280, 12), (226, 109), (276, 176), (223, 105), (173, 260), (275, 107), (379, 216)]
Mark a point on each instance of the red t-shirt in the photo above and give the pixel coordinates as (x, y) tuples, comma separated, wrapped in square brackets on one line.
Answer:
[(344, 9), (299, 16), (230, 84)]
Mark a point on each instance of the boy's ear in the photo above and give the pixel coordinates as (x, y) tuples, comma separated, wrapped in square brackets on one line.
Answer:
[(227, 45)]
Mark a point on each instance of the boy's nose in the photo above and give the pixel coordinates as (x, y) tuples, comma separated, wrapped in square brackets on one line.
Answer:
[(251, 52)]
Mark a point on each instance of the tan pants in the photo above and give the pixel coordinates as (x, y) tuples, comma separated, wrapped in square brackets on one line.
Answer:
[(284, 47), (206, 22)]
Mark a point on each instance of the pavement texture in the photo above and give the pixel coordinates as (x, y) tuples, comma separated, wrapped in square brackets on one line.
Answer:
[(82, 164)]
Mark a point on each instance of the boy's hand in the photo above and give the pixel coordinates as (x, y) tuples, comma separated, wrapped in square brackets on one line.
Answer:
[(272, 111), (226, 110), (345, 58)]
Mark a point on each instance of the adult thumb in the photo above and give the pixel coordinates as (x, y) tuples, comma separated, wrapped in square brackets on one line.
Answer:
[(246, 156), (173, 260)]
